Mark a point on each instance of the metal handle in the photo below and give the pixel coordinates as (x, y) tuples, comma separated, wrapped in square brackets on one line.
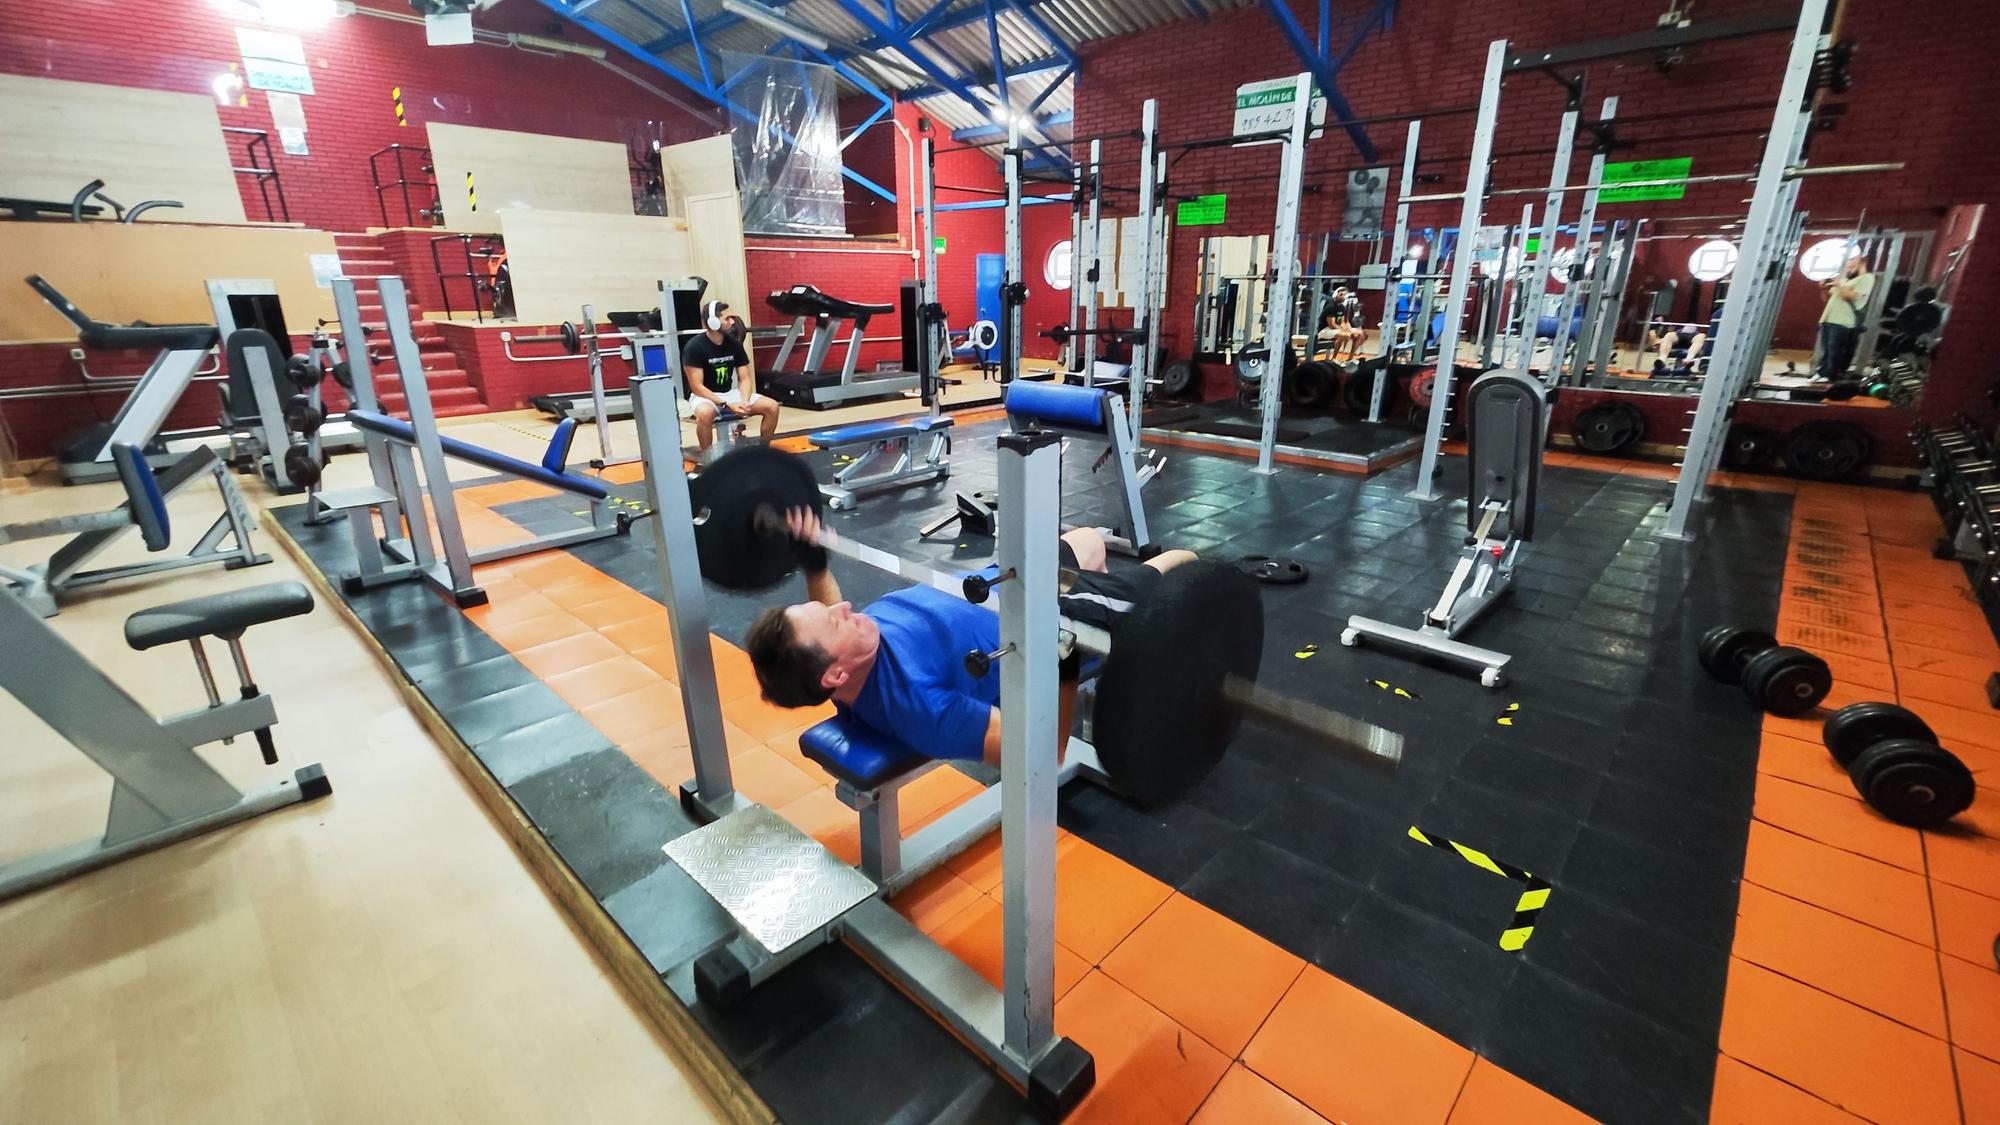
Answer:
[(978, 663)]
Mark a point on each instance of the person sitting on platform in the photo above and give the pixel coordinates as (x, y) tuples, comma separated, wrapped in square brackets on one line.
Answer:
[(1664, 338), (898, 666), (720, 379), (1340, 325)]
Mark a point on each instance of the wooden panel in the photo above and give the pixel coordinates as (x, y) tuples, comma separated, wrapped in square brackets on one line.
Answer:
[(698, 169), (715, 249), (559, 261), (151, 271), (144, 144), (525, 172)]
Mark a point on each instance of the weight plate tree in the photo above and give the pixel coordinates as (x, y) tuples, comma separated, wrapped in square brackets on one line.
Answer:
[(1828, 450)]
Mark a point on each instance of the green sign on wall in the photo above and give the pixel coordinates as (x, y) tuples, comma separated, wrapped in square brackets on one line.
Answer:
[(939, 240), (1201, 211), (1644, 170)]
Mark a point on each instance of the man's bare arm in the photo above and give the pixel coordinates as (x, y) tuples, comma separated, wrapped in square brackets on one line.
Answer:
[(1065, 720), (697, 384)]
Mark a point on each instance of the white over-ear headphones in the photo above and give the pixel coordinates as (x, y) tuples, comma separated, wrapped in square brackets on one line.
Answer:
[(711, 315)]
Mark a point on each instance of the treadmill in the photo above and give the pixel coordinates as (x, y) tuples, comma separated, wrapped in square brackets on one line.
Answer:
[(809, 385)]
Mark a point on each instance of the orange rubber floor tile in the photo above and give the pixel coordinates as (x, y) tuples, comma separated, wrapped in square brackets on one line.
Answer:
[(515, 636), (631, 472), (1918, 688), (1206, 971), (1866, 890), (1807, 763), (1940, 662), (1953, 613), (1149, 1068), (1842, 821), (787, 747), (566, 654), (1978, 1087), (523, 605), (1836, 1050), (586, 586), (1871, 679), (1745, 1095), (820, 814), (1955, 725), (1242, 1097), (1814, 638), (1354, 1059), (932, 795), (660, 658), (976, 935), (979, 864), (624, 606), (1494, 1096), (641, 631), (1971, 639), (768, 779), (934, 898), (1984, 764), (1856, 617), (1972, 993), (734, 677), (1967, 923), (636, 714), (1945, 591), (1966, 852), (1888, 975), (765, 721), (665, 756), (607, 679), (1100, 899)]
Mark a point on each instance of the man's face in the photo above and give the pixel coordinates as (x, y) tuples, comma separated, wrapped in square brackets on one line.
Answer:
[(1855, 265), (850, 638)]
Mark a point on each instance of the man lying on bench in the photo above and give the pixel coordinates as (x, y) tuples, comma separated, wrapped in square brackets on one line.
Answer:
[(898, 666)]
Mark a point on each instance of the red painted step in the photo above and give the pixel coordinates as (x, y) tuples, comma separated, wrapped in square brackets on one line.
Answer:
[(445, 402)]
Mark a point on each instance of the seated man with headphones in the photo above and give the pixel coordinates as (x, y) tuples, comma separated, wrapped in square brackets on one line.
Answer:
[(719, 379)]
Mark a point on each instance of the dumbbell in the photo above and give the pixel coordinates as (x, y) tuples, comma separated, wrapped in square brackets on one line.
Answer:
[(1781, 679), (302, 467), (302, 417), (1893, 758), (302, 372)]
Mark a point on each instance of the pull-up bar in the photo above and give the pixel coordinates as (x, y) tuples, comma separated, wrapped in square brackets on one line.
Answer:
[(1792, 173)]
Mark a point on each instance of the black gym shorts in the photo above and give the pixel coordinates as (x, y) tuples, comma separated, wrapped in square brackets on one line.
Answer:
[(1096, 598)]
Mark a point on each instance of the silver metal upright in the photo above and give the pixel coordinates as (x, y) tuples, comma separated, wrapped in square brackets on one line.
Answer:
[(1535, 296), (1075, 352), (933, 329), (1610, 300), (423, 420), (354, 345), (1142, 300), (1030, 465), (1011, 281), (1470, 212), (1284, 259), (1088, 250), (1782, 146), (600, 417), (1399, 246), (1580, 256)]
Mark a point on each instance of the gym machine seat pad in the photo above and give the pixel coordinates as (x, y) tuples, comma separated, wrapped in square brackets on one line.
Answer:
[(857, 754), (877, 431), (138, 336), (1057, 404), (217, 615), (477, 455)]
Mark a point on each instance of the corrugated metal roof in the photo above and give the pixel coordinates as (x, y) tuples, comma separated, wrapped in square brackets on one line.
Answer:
[(966, 50)]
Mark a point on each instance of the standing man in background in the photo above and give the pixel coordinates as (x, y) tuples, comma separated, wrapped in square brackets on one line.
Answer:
[(1840, 325), (719, 379)]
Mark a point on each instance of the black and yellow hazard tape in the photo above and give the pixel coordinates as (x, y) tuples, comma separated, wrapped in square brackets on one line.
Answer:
[(1306, 652), (1507, 714), (396, 96), (1392, 689), (471, 196), (1534, 893)]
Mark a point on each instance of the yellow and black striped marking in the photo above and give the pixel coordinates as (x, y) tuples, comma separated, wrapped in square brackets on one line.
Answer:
[(1506, 716), (1392, 689), (396, 96), (1305, 653), (1534, 893), (471, 196)]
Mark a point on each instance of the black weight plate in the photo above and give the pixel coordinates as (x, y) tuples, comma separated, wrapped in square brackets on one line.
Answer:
[(343, 374), (1273, 571), (1609, 428), (1748, 447), (1918, 318), (572, 341), (1858, 726), (1177, 378), (1725, 649), (301, 466), (735, 501), (1786, 681), (301, 373), (1161, 719), (1916, 783), (1828, 450), (1312, 384), (1357, 388)]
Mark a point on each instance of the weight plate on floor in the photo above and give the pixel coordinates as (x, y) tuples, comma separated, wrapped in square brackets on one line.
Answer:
[(1916, 783), (1422, 385), (1312, 385), (1748, 447), (1357, 388), (1272, 570), (1177, 378), (1856, 727), (1828, 450), (1786, 681), (1250, 370), (1725, 649), (1610, 428)]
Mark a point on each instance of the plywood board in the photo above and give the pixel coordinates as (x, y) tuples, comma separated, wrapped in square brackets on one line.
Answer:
[(560, 261), (524, 172), (144, 144), (156, 272), (715, 249), (698, 169)]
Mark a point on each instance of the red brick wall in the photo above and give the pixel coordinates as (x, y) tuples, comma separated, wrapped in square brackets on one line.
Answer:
[(1927, 115), (505, 384)]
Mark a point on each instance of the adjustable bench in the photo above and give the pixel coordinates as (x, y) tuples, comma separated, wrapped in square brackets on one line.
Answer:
[(892, 460), (163, 791)]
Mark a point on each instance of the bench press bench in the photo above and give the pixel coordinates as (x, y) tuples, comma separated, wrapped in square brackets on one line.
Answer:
[(893, 459)]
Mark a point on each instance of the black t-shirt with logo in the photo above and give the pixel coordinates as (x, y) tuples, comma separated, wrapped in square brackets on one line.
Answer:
[(719, 363)]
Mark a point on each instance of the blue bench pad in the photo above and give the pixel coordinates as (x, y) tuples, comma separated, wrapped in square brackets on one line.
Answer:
[(878, 431), (1057, 404), (857, 755), (478, 455)]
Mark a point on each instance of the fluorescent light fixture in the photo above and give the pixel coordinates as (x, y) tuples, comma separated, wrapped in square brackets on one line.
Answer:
[(759, 14)]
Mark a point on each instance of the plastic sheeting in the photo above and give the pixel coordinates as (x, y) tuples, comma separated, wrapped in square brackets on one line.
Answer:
[(788, 149)]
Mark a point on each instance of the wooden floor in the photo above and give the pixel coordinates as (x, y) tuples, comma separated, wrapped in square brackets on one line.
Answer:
[(379, 956)]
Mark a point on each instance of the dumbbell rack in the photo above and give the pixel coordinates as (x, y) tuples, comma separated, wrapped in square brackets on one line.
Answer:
[(1964, 480)]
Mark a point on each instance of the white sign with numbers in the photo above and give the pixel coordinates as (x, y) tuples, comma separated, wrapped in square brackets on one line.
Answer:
[(1263, 107)]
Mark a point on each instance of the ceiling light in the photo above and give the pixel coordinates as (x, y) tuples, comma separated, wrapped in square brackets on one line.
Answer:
[(759, 14)]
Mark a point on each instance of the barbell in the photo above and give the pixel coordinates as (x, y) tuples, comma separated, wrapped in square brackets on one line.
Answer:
[(1172, 692), (568, 336)]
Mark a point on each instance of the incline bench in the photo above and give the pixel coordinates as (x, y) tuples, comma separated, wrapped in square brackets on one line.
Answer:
[(892, 460)]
